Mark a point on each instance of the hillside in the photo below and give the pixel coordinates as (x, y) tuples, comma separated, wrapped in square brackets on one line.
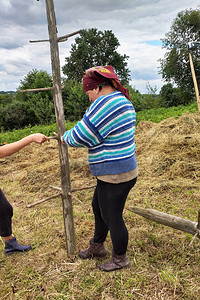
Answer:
[(163, 264), (7, 92)]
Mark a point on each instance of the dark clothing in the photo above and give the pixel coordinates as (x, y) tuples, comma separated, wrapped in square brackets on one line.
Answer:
[(6, 213), (108, 204)]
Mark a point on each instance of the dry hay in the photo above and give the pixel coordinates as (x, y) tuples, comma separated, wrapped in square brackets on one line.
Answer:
[(167, 151), (170, 149)]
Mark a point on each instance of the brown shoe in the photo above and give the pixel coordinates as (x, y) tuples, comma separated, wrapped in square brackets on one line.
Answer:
[(115, 263), (95, 250)]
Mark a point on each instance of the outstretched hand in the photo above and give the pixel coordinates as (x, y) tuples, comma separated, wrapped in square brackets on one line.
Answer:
[(39, 138)]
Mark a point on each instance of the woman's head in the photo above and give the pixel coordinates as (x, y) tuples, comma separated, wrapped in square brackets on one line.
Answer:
[(100, 76)]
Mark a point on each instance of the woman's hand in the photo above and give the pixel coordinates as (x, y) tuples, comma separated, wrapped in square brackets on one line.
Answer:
[(62, 140)]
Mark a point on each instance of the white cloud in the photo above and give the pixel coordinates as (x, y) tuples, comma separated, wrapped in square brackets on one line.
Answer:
[(134, 22)]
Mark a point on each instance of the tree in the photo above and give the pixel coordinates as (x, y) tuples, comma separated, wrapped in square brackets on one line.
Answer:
[(171, 96), (175, 66), (136, 99), (41, 103), (6, 98), (75, 101), (36, 79), (94, 48), (15, 115)]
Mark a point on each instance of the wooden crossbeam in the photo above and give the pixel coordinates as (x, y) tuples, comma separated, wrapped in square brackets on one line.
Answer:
[(59, 194), (63, 38), (40, 89), (168, 220)]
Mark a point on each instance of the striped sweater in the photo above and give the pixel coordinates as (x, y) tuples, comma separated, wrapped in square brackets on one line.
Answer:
[(107, 130)]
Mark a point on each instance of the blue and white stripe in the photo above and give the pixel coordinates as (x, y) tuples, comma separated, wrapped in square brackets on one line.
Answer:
[(107, 130)]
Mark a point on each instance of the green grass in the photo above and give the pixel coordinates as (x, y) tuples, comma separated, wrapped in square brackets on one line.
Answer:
[(15, 135), (153, 115), (159, 114)]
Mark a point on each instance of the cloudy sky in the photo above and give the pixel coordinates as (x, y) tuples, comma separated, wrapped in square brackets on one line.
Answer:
[(138, 25)]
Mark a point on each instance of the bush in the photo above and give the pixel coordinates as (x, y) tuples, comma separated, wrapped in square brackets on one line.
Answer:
[(75, 101), (16, 115), (171, 96)]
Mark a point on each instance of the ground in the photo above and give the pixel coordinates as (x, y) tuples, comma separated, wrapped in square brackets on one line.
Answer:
[(163, 263)]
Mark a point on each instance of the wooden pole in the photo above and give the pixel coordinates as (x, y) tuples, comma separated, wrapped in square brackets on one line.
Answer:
[(60, 119), (194, 80), (63, 38), (198, 224), (167, 220), (44, 200), (39, 89)]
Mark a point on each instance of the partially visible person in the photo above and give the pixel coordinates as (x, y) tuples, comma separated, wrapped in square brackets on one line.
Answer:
[(6, 210), (107, 130)]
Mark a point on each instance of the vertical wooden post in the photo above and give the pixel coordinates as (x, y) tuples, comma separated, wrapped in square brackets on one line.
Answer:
[(60, 119), (195, 81)]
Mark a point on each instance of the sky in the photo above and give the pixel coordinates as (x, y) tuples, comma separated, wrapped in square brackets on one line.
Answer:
[(139, 26)]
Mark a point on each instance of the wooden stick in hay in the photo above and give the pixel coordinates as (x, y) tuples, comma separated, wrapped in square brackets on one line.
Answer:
[(58, 194), (169, 220), (44, 200), (75, 189)]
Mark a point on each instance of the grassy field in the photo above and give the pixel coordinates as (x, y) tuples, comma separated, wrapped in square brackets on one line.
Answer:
[(153, 115), (163, 264)]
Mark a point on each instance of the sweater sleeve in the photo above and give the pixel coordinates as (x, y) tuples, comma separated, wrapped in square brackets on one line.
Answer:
[(83, 134)]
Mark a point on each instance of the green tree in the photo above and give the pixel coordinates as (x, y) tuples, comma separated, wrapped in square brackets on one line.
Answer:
[(94, 48), (41, 103), (16, 115), (6, 98), (151, 99), (136, 99), (36, 79), (171, 96), (175, 66), (75, 101)]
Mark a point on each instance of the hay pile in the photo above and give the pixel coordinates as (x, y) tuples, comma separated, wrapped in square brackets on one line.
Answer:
[(166, 151), (170, 149)]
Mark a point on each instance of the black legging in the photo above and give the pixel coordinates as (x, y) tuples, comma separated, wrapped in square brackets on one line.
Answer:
[(108, 204), (6, 213)]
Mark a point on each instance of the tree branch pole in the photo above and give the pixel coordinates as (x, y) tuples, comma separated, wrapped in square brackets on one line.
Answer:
[(75, 189), (60, 120), (58, 189), (194, 80), (168, 220), (44, 200), (39, 89), (63, 38)]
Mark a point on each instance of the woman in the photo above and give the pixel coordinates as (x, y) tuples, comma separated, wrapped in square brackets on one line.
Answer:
[(107, 130), (6, 210)]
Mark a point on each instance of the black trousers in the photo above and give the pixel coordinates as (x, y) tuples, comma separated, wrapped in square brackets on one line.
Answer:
[(6, 213), (108, 205)]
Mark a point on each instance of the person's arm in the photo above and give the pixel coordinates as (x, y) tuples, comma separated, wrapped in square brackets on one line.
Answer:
[(83, 134), (16, 146)]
